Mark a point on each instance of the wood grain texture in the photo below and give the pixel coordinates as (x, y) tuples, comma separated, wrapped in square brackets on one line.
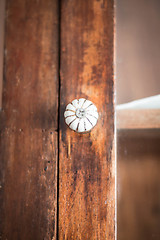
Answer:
[(2, 17), (86, 161), (28, 142), (138, 118)]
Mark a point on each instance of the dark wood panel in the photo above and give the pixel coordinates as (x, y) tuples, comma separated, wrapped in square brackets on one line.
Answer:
[(138, 184), (29, 121), (86, 161), (2, 17)]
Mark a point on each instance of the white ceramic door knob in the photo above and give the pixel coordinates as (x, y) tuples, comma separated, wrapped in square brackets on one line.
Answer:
[(81, 115)]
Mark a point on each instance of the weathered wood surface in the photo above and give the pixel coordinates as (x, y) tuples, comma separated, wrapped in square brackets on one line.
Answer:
[(28, 159), (2, 13), (138, 118), (86, 161)]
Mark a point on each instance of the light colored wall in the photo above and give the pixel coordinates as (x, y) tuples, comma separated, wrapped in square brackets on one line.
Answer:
[(138, 49)]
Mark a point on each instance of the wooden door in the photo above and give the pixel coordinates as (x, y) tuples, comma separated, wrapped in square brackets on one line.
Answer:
[(56, 183)]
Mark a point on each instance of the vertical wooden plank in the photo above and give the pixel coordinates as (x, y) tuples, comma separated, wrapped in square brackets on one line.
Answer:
[(29, 121), (2, 13), (86, 161)]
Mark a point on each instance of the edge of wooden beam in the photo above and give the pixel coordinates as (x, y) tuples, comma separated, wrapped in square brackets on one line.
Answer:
[(138, 118)]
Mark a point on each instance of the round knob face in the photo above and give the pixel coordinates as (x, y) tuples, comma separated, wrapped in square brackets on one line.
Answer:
[(81, 115)]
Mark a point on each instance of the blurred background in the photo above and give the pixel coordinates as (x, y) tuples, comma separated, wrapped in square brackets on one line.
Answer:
[(137, 49), (138, 146)]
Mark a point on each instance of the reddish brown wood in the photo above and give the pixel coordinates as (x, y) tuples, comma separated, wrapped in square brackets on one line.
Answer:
[(2, 17), (29, 121), (86, 161)]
